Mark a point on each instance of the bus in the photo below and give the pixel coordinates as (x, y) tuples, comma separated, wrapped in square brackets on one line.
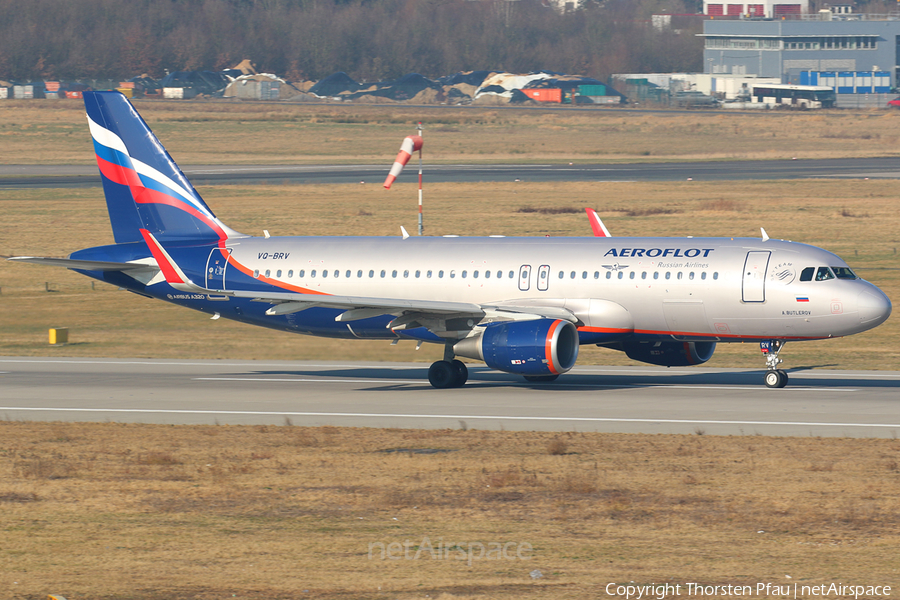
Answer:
[(797, 96)]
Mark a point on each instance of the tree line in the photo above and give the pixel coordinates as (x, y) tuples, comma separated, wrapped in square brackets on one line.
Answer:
[(372, 40)]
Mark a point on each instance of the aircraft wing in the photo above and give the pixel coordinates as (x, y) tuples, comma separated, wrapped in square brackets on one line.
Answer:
[(597, 225), (361, 307), (86, 265)]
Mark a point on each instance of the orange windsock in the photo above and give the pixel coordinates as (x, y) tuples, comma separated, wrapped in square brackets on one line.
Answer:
[(410, 144)]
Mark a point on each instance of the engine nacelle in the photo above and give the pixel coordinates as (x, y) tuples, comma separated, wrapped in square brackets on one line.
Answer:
[(538, 347), (670, 354)]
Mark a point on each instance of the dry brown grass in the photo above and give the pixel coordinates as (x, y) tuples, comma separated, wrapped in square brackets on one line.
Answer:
[(105, 322), (288, 512), (46, 132)]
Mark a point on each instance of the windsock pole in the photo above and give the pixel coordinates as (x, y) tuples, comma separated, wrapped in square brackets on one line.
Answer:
[(410, 144), (420, 130)]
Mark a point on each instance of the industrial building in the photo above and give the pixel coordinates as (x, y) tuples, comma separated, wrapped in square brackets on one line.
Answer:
[(855, 54)]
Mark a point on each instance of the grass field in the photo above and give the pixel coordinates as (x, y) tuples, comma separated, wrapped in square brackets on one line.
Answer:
[(49, 132), (209, 512)]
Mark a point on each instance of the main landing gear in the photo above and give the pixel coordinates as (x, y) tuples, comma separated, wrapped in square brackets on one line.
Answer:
[(448, 373), (775, 378)]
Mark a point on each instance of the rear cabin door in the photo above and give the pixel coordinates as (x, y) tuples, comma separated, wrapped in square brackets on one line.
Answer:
[(216, 266), (753, 288)]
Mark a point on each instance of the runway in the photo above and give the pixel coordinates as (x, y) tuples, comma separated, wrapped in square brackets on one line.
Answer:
[(51, 176), (590, 398)]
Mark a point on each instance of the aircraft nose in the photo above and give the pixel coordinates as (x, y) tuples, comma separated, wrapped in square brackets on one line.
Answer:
[(874, 307)]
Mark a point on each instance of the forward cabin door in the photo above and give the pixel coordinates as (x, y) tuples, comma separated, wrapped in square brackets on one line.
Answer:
[(753, 288)]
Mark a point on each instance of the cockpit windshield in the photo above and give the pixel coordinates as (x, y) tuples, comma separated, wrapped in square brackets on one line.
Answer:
[(823, 274), (844, 273), (826, 273)]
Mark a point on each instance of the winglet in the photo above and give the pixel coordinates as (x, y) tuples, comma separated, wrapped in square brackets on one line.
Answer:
[(597, 225), (404, 232), (765, 236), (170, 269)]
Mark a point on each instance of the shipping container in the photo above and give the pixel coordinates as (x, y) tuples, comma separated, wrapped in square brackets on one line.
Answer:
[(269, 90), (605, 99), (51, 95), (51, 86), (127, 92), (21, 92), (4, 93), (126, 85), (591, 90), (544, 94), (73, 95)]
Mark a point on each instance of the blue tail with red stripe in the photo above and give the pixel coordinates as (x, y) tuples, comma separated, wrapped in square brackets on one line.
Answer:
[(144, 187)]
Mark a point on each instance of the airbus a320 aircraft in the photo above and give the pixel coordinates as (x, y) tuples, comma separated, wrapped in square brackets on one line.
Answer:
[(521, 305)]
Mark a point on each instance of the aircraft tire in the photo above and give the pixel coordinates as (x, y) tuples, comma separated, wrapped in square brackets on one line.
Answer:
[(541, 378), (462, 373), (784, 378), (442, 374), (776, 379)]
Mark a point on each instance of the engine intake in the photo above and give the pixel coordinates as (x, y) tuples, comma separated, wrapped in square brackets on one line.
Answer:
[(670, 354), (538, 347)]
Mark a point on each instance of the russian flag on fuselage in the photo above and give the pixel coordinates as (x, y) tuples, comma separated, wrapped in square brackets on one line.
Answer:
[(144, 187)]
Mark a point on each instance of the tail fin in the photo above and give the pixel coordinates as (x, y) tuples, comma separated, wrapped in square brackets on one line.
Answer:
[(144, 187)]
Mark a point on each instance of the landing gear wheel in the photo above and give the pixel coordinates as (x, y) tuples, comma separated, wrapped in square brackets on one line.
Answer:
[(541, 378), (462, 373), (784, 378), (776, 379), (441, 374), (445, 374)]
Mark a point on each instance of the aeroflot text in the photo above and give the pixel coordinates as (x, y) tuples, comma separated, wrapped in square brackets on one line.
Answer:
[(654, 252), (795, 590)]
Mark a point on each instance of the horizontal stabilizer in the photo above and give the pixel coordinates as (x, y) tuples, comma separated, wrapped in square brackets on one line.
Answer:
[(85, 265)]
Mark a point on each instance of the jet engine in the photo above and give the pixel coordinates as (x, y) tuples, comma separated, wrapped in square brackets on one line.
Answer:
[(533, 348), (670, 354)]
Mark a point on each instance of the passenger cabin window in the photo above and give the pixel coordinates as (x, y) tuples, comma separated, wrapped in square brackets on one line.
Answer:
[(301, 274), (371, 273), (268, 272)]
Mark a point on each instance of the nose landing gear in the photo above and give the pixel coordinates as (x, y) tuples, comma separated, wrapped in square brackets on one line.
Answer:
[(775, 377)]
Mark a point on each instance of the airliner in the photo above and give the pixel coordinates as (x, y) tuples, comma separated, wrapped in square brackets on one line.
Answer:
[(523, 306)]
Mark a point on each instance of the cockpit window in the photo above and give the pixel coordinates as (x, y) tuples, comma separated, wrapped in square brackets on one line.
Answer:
[(807, 274), (823, 274), (844, 273)]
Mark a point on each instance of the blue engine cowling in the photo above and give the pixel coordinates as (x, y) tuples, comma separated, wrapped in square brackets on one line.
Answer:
[(538, 347), (670, 354)]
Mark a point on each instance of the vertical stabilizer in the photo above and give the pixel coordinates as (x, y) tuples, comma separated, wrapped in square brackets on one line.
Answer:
[(144, 187)]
